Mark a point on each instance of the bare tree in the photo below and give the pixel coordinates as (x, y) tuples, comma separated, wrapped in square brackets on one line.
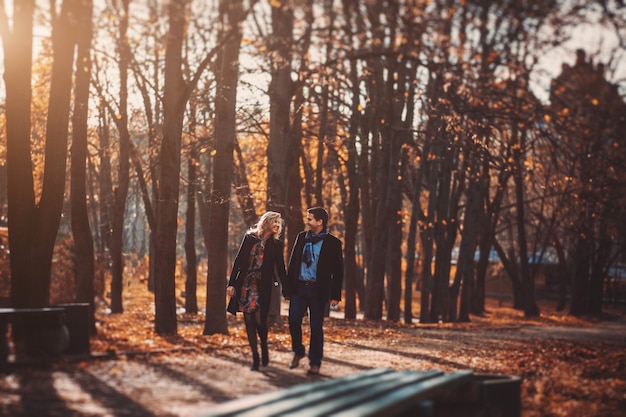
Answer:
[(33, 225), (280, 94), (191, 280), (174, 102), (83, 240), (120, 193), (231, 13)]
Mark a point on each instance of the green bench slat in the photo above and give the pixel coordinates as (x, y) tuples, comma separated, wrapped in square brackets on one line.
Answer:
[(371, 393), (321, 402), (10, 311), (374, 390), (399, 401), (385, 392), (239, 406)]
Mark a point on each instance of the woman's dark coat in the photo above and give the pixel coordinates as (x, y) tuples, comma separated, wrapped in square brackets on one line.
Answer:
[(272, 269)]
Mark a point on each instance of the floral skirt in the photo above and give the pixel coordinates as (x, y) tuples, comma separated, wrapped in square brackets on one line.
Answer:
[(249, 299)]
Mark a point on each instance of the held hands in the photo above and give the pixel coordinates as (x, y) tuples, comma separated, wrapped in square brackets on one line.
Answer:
[(230, 290)]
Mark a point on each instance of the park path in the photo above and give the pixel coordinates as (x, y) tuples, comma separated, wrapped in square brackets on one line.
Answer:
[(188, 384)]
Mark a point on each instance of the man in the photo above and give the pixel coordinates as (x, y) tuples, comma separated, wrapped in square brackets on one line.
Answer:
[(314, 276)]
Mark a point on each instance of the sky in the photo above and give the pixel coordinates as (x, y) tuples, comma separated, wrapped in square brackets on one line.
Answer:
[(601, 45)]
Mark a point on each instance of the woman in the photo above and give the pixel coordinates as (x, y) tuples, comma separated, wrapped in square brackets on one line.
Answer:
[(252, 278)]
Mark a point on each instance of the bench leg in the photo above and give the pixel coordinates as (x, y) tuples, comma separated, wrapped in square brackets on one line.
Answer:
[(4, 342), (38, 340)]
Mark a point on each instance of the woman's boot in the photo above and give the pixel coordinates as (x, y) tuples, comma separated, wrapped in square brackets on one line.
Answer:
[(251, 332), (265, 356)]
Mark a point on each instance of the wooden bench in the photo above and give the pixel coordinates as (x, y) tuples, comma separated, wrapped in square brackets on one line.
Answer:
[(385, 392), (35, 332), (41, 334)]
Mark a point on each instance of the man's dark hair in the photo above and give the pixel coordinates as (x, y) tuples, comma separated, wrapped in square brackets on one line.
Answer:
[(319, 213)]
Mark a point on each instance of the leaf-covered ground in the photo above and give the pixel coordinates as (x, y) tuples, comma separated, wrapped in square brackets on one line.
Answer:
[(570, 366)]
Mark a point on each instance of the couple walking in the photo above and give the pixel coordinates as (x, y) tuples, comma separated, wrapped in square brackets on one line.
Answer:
[(314, 277)]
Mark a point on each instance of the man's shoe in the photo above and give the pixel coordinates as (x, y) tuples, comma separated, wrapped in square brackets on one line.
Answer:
[(295, 361), (314, 370)]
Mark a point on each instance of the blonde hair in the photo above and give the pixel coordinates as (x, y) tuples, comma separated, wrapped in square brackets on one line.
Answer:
[(264, 225)]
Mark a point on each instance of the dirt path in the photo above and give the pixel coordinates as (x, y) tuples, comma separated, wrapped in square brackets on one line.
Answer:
[(559, 365)]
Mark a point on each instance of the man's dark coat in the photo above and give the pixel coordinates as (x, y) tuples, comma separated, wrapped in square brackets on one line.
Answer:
[(329, 277)]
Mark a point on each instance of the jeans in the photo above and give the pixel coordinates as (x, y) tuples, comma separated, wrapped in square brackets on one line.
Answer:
[(306, 297)]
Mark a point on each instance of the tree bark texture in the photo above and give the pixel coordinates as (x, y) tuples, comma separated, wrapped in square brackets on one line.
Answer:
[(33, 227), (242, 187), (191, 280), (123, 177), (81, 230), (228, 76), (280, 94), (167, 217)]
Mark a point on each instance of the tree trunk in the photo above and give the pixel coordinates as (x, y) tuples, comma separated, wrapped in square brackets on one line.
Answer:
[(227, 79), (279, 146), (510, 266), (167, 216), (469, 237), (383, 157), (427, 275), (352, 209), (442, 242), (280, 93), (443, 248), (388, 181), (430, 165), (105, 206), (351, 214), (528, 281), (375, 284), (563, 275), (395, 264), (294, 220), (33, 228), (394, 282), (428, 233), (582, 260), (242, 187), (121, 192), (149, 192), (20, 186), (191, 281), (295, 211), (601, 259), (487, 236), (83, 241), (324, 104), (104, 181), (412, 240)]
